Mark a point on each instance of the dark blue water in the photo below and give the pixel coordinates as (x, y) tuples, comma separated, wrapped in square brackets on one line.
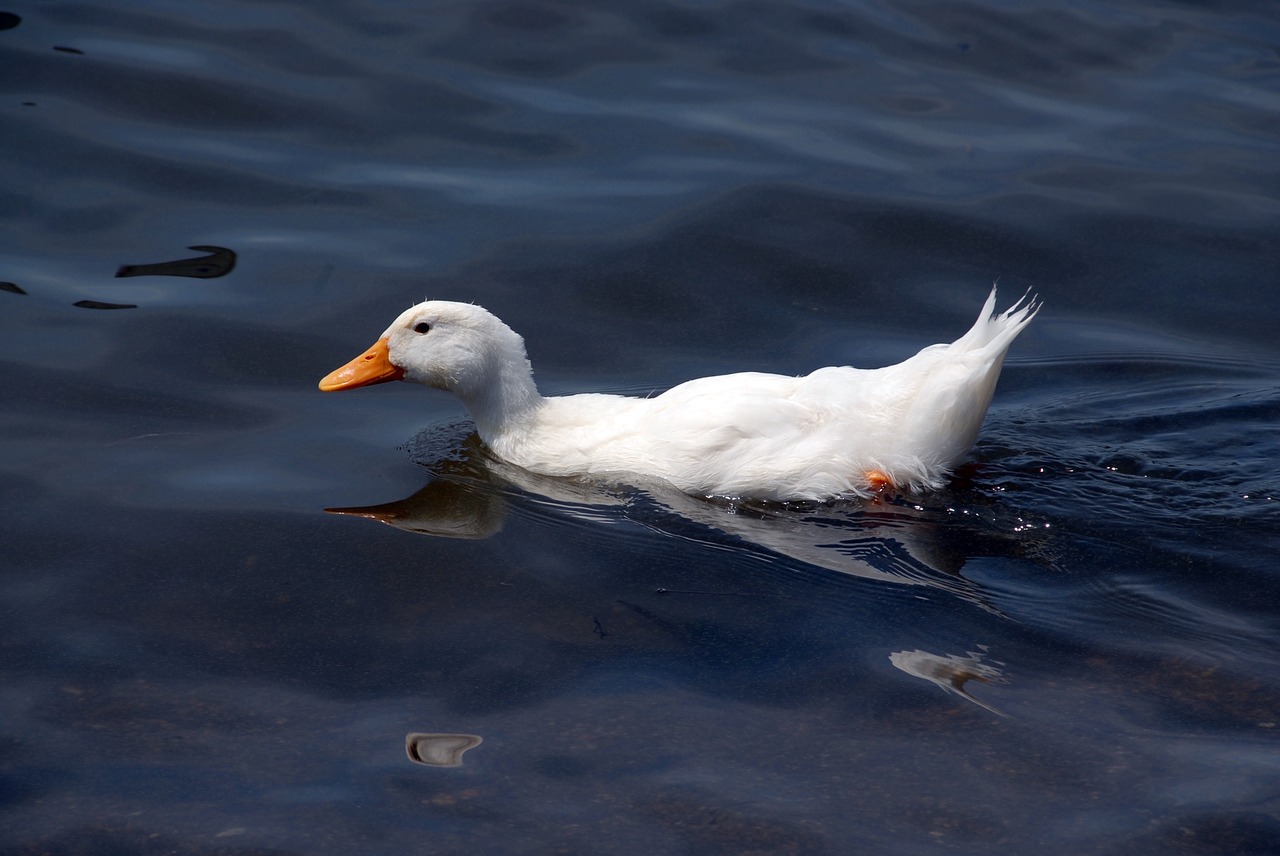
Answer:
[(1072, 649)]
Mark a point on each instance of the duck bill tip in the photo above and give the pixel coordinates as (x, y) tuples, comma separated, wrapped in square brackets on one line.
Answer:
[(372, 367)]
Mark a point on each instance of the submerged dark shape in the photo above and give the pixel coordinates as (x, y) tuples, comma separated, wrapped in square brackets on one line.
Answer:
[(65, 49), (12, 288), (98, 304), (8, 20), (219, 262)]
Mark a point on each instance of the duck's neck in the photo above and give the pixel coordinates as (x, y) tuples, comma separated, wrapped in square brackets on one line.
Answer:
[(505, 402)]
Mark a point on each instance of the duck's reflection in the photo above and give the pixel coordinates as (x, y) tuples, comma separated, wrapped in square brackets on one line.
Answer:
[(471, 495), (887, 541), (444, 508)]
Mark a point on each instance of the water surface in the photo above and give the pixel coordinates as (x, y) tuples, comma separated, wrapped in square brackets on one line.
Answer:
[(1072, 649)]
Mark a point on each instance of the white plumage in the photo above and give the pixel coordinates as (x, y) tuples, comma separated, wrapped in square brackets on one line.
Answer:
[(837, 432)]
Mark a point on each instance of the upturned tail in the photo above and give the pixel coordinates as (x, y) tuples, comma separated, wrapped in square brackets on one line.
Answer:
[(943, 421), (996, 331)]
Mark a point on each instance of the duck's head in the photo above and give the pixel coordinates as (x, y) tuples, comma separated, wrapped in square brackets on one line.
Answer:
[(455, 346)]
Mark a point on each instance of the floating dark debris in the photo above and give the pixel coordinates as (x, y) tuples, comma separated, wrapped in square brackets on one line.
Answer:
[(219, 262), (65, 49), (98, 304)]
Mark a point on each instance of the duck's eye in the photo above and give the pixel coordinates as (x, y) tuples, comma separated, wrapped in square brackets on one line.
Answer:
[(422, 327)]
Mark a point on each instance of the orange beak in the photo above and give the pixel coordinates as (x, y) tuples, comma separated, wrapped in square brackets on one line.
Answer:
[(373, 366)]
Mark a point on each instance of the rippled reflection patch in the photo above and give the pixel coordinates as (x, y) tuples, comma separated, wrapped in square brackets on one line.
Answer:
[(439, 750), (951, 672)]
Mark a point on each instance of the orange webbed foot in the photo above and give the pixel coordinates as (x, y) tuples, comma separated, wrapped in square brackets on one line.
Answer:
[(880, 483)]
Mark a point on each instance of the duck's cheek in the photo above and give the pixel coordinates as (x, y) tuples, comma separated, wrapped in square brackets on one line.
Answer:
[(424, 375), (373, 366), (434, 381)]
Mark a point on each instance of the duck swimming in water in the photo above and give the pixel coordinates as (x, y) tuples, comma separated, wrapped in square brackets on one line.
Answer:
[(837, 432)]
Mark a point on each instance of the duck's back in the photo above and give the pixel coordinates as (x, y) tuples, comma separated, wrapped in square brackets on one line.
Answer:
[(769, 436), (820, 436), (775, 437)]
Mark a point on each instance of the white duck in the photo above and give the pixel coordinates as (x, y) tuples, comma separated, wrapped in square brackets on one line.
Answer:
[(837, 432)]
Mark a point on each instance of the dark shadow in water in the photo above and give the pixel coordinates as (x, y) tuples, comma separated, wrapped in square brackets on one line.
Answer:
[(219, 262), (98, 304)]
